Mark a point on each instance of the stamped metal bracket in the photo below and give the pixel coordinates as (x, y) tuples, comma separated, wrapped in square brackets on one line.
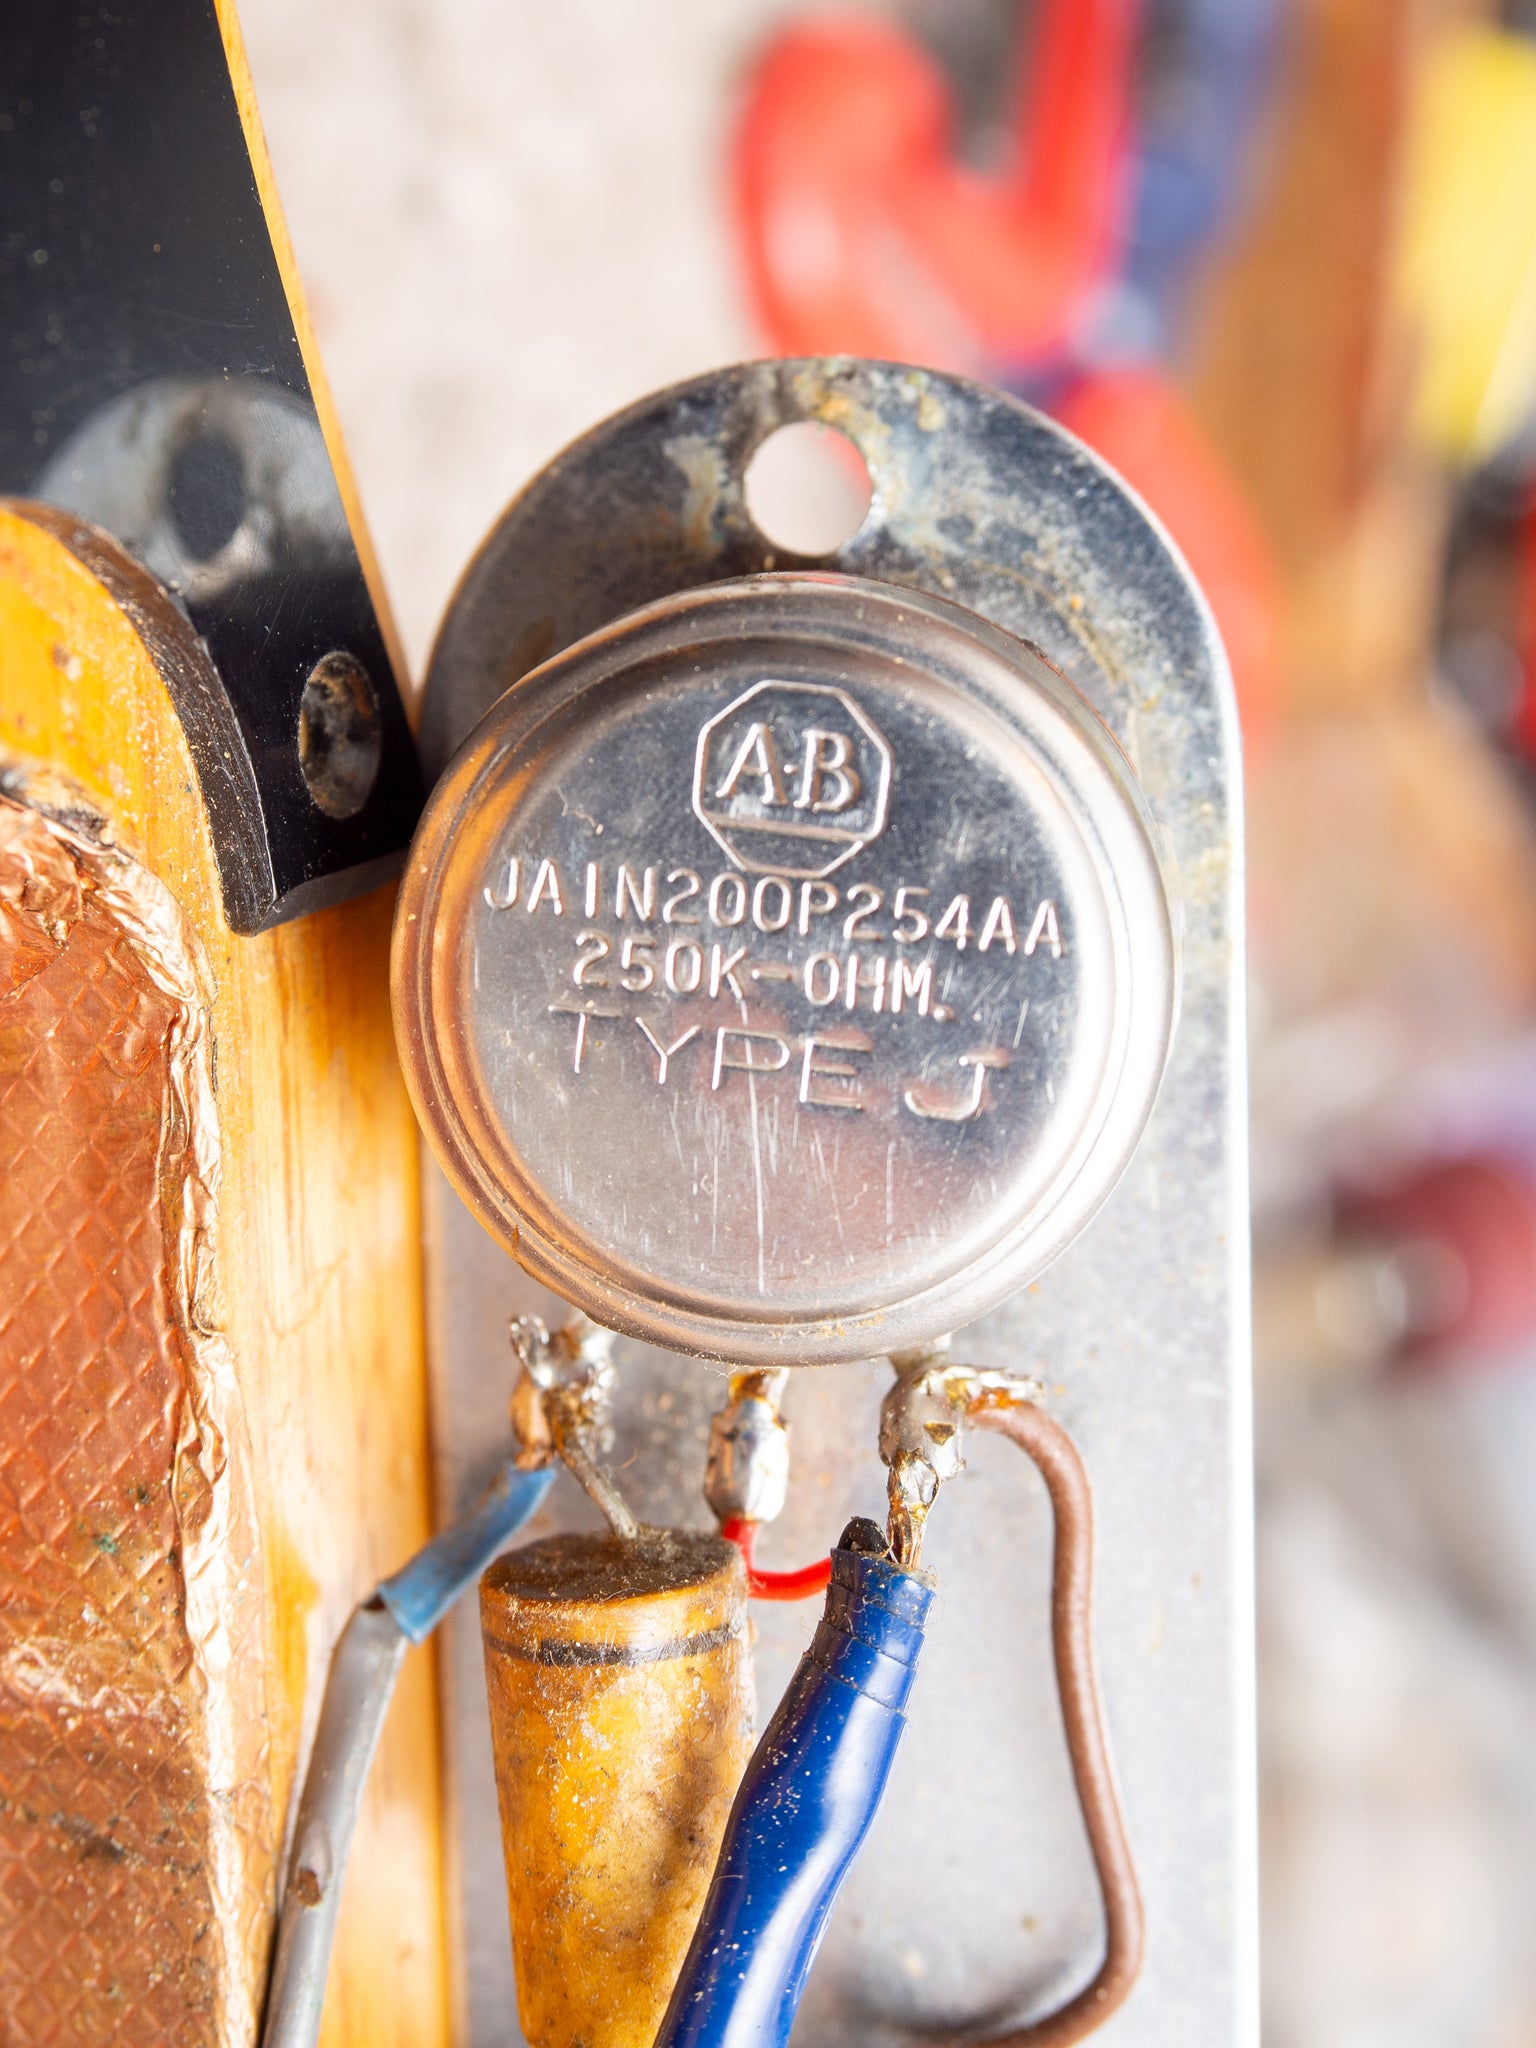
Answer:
[(976, 1901)]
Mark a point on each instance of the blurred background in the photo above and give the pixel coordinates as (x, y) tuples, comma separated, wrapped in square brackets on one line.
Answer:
[(1276, 260)]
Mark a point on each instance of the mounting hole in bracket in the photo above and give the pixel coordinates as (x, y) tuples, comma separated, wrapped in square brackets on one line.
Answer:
[(807, 488)]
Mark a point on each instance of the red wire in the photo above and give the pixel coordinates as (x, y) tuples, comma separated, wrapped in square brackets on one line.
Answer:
[(800, 1585)]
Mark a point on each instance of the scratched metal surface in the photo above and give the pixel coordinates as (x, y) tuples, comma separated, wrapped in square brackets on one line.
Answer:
[(878, 1080), (973, 1905), (136, 1855)]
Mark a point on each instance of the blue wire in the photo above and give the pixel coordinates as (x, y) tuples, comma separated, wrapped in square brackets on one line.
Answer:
[(364, 1666), (803, 1809), (421, 1593)]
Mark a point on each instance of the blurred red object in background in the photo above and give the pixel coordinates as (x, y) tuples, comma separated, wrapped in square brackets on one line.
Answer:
[(863, 234), (1478, 1214)]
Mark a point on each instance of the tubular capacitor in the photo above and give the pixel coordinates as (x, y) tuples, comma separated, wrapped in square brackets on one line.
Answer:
[(621, 1718)]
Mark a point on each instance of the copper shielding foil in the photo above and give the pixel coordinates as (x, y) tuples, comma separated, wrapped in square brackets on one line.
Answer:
[(136, 1854)]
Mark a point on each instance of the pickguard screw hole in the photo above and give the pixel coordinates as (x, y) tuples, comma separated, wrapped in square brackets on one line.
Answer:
[(339, 738)]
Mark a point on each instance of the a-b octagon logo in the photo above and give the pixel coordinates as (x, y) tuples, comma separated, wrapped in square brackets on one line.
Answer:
[(792, 778)]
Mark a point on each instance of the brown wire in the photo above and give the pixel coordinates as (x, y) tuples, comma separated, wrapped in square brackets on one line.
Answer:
[(1066, 1479)]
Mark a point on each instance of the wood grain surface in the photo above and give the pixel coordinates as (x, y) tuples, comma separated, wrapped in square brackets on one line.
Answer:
[(318, 1287)]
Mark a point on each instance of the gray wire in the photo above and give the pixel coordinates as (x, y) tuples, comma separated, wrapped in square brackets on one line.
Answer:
[(364, 1667)]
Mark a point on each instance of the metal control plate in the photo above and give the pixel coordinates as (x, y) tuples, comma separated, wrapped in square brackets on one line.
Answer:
[(973, 1905), (786, 974)]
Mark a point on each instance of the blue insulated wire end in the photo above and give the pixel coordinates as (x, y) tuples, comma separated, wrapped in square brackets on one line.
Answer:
[(421, 1593), (804, 1807), (364, 1666)]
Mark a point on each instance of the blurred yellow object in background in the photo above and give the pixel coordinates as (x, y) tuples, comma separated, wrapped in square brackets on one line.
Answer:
[(1469, 243)]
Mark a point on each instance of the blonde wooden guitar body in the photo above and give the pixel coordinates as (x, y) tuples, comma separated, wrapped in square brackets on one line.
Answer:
[(213, 1434)]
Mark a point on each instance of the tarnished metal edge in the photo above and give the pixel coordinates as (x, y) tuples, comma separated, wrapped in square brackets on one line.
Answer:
[(697, 530)]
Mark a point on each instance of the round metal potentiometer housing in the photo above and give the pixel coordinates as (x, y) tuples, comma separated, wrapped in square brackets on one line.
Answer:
[(785, 969)]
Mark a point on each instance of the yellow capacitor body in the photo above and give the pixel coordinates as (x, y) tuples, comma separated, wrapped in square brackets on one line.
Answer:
[(621, 1699)]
